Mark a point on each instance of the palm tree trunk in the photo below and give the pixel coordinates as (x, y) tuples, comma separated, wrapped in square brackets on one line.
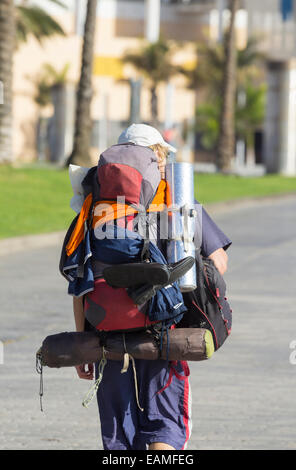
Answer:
[(226, 141), (154, 106), (83, 123), (7, 45)]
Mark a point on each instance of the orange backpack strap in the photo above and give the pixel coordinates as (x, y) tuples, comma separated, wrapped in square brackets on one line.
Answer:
[(162, 198), (106, 211), (78, 232), (110, 210)]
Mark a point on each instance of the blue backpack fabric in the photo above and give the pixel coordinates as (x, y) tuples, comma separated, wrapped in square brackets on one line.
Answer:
[(77, 268)]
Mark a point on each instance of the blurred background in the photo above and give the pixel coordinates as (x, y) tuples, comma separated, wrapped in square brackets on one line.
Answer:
[(217, 77), (154, 61)]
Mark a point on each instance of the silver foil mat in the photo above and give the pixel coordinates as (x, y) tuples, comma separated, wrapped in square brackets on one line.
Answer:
[(180, 177)]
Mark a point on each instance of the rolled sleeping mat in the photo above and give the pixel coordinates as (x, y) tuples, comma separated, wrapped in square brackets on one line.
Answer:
[(75, 348), (181, 219)]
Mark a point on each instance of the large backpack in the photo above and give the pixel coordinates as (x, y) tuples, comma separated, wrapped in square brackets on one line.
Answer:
[(130, 171)]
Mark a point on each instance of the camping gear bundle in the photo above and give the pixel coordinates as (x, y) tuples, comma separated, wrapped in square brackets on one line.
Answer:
[(139, 302)]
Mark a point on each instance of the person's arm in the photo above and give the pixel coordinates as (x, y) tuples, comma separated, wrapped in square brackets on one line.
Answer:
[(220, 259), (84, 371), (78, 313), (211, 240)]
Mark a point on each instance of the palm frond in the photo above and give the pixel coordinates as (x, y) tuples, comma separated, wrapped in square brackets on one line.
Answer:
[(250, 54), (34, 20), (59, 3), (54, 75), (153, 60), (210, 63), (48, 77)]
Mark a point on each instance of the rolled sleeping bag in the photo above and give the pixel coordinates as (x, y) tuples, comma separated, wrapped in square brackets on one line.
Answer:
[(75, 348)]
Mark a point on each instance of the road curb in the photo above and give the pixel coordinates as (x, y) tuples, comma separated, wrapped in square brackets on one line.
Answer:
[(246, 203), (12, 245)]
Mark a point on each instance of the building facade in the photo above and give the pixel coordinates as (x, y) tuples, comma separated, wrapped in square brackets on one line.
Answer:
[(119, 92), (120, 28)]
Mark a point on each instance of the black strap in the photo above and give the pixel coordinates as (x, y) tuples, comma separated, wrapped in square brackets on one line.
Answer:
[(145, 253)]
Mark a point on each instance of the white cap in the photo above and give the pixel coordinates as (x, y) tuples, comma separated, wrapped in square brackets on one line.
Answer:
[(142, 134)]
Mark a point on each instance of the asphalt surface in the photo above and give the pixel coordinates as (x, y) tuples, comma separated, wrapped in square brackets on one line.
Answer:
[(243, 397)]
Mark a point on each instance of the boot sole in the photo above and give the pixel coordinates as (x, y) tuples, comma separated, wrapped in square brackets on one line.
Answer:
[(180, 268), (134, 274), (145, 293)]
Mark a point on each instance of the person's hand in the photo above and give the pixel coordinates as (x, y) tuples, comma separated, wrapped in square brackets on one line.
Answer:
[(85, 371), (220, 259)]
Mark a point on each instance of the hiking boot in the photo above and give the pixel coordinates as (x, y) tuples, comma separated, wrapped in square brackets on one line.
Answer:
[(153, 274), (135, 274), (179, 268), (143, 293)]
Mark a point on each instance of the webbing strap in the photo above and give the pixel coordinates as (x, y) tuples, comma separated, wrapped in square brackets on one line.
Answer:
[(94, 388), (145, 250), (39, 369), (125, 367)]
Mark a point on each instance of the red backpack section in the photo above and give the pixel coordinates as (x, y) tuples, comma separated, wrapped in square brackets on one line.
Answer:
[(128, 170), (111, 309), (118, 179)]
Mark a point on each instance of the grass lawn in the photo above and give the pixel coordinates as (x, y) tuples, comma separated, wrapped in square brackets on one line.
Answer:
[(36, 200), (216, 187)]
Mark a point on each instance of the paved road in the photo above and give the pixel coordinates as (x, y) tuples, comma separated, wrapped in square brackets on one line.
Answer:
[(243, 397)]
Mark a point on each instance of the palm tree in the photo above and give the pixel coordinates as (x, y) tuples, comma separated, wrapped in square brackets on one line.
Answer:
[(83, 123), (249, 115), (207, 72), (7, 46), (210, 62), (33, 20), (206, 80), (16, 23), (154, 61), (48, 78), (226, 141)]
